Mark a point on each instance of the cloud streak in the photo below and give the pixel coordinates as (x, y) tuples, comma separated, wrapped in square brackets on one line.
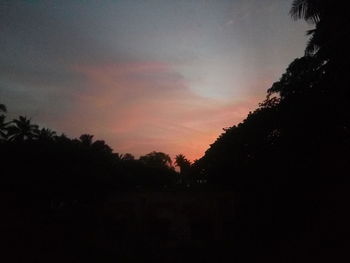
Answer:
[(147, 106)]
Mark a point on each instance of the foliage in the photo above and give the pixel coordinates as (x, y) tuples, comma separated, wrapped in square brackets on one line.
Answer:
[(63, 169), (287, 161), (182, 162), (22, 129)]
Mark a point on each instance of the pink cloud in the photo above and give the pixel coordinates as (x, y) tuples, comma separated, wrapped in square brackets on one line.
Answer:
[(141, 107)]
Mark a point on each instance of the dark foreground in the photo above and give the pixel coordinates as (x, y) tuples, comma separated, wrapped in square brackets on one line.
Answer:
[(181, 226)]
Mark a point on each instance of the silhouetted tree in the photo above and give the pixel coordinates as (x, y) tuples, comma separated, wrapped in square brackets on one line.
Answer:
[(184, 165), (127, 157), (287, 162), (101, 146), (45, 134), (287, 158), (329, 38), (310, 10), (157, 159), (86, 139), (22, 129), (300, 79)]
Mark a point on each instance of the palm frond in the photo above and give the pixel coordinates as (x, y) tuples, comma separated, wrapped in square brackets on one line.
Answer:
[(305, 9), (311, 46)]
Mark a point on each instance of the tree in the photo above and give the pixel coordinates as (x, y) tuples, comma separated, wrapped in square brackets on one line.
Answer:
[(45, 134), (300, 78), (86, 139), (157, 159), (182, 163), (22, 129), (309, 10), (127, 157), (329, 38), (102, 147)]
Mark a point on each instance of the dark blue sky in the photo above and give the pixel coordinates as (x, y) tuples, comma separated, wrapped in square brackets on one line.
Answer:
[(144, 75)]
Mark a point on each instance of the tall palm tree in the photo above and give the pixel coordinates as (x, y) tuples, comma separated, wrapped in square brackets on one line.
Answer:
[(330, 36), (22, 129), (312, 12), (182, 163)]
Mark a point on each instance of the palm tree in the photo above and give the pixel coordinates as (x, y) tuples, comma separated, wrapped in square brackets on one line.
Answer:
[(22, 129), (312, 12), (45, 134), (184, 165), (330, 36), (309, 10)]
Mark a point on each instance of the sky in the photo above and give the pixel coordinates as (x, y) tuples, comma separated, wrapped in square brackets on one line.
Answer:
[(144, 75)]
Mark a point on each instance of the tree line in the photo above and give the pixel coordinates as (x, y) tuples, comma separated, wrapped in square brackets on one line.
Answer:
[(156, 167), (287, 162), (303, 125)]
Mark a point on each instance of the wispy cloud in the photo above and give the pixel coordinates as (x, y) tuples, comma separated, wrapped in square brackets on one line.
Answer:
[(146, 106)]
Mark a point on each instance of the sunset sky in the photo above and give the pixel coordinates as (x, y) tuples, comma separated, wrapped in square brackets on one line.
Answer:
[(144, 75)]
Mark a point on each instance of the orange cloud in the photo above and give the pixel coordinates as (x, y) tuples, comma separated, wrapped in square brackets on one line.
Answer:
[(141, 107)]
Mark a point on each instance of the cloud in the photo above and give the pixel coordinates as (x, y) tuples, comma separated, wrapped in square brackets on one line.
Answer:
[(136, 73), (144, 106), (136, 107)]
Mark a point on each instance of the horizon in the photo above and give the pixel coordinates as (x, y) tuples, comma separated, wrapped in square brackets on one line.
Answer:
[(155, 76)]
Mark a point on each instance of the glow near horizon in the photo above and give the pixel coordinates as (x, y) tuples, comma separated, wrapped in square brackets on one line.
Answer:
[(144, 75)]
